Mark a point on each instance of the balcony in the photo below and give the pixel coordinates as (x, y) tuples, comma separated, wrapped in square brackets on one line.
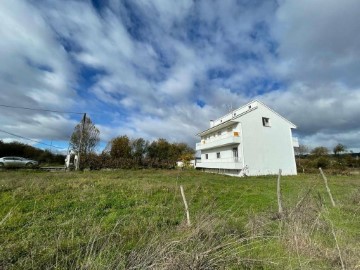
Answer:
[(223, 140), (295, 142), (228, 163)]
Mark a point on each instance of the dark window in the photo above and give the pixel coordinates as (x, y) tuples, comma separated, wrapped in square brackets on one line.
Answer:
[(266, 122), (235, 152), (206, 156), (218, 155)]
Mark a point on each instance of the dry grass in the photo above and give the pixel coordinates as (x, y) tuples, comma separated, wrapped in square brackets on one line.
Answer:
[(202, 246), (306, 229), (136, 220)]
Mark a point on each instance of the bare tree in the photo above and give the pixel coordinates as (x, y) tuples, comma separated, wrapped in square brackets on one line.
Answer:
[(85, 137), (301, 150)]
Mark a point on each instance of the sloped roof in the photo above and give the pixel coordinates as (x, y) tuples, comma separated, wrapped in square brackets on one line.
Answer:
[(230, 121)]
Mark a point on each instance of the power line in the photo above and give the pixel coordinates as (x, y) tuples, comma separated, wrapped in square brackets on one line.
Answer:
[(34, 109), (22, 137)]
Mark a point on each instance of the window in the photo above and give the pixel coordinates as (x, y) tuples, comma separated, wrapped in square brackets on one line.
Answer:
[(266, 122), (235, 154), (218, 155), (206, 156)]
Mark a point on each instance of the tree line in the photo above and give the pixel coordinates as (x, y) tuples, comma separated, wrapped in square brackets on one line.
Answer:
[(30, 152), (125, 152), (338, 159)]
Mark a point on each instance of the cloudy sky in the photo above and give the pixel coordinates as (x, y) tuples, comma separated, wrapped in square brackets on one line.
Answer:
[(161, 68)]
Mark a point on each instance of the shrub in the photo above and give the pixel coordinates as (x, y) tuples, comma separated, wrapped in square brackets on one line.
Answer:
[(323, 162)]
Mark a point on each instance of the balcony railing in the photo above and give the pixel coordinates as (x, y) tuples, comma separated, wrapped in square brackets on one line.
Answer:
[(225, 139), (295, 142), (228, 163)]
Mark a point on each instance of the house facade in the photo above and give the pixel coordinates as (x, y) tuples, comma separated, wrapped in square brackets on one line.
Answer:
[(251, 140)]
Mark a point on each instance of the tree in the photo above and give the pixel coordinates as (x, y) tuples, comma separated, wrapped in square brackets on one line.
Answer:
[(320, 151), (160, 149), (139, 148), (301, 150), (120, 147), (186, 159), (339, 148), (163, 150), (85, 137)]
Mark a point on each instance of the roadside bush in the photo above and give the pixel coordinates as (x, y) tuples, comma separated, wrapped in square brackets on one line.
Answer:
[(305, 165), (104, 161), (339, 164), (323, 162), (92, 161)]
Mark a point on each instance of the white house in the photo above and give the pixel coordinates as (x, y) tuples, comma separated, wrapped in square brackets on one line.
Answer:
[(251, 140)]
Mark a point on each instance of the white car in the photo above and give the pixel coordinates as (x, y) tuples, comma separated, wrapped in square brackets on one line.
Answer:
[(17, 162)]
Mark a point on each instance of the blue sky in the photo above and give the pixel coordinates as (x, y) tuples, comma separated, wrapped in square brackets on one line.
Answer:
[(164, 68)]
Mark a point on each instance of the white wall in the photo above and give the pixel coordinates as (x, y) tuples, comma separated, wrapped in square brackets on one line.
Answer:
[(266, 149)]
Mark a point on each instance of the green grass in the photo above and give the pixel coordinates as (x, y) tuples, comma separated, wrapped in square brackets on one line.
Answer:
[(134, 219)]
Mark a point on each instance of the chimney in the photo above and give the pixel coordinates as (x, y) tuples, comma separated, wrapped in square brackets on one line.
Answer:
[(211, 123)]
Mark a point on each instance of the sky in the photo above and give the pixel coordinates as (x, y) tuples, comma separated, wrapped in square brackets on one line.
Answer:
[(163, 69)]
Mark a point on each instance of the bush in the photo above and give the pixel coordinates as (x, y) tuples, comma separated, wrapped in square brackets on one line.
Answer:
[(102, 161), (323, 162), (305, 165)]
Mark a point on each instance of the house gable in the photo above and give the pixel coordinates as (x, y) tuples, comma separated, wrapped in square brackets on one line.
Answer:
[(236, 115)]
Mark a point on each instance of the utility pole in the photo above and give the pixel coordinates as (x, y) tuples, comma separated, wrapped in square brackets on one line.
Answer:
[(81, 138)]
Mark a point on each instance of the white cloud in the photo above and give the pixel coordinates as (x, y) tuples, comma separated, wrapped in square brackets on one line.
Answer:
[(331, 108), (157, 59), (318, 40), (34, 72), (318, 58)]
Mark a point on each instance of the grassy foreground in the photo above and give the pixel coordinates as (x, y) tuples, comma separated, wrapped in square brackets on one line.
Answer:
[(135, 220)]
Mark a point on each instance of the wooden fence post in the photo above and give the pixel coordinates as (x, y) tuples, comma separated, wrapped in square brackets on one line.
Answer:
[(327, 187), (186, 206), (279, 193)]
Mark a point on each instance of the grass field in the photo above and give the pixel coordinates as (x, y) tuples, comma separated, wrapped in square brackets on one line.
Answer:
[(135, 220)]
